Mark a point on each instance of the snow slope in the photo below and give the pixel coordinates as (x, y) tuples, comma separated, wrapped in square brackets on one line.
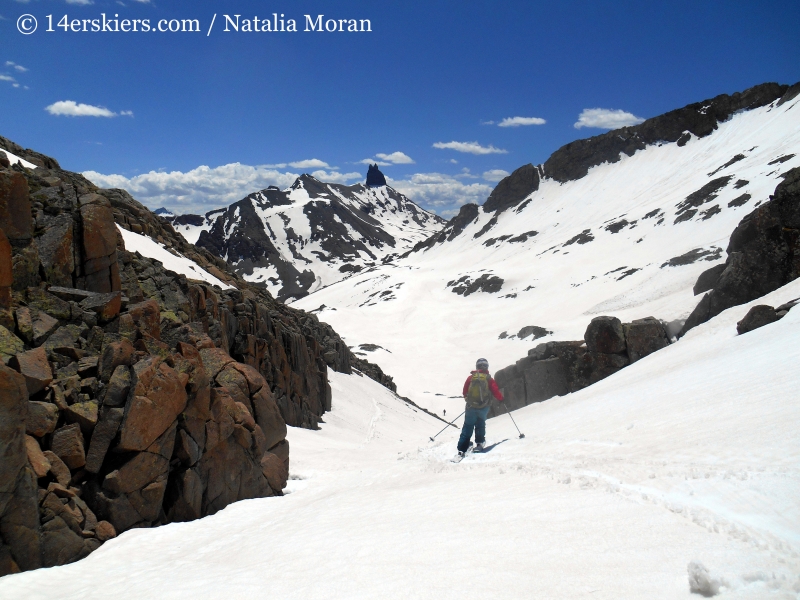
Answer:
[(602, 245), (146, 246), (311, 234), (689, 455), (14, 159)]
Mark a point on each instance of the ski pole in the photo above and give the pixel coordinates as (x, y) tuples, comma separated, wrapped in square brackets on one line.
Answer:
[(508, 412), (448, 425)]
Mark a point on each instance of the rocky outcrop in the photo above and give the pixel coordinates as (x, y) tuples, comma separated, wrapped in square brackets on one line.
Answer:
[(467, 214), (700, 119), (131, 396), (374, 177), (763, 254), (558, 368), (513, 189), (763, 314)]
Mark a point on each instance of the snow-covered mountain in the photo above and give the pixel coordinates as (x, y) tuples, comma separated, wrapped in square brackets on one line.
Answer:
[(312, 234), (621, 224)]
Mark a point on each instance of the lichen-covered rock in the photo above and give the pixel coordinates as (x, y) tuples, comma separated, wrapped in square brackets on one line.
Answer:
[(34, 368), (42, 418), (604, 334), (645, 336), (67, 444), (104, 432), (157, 399), (9, 345)]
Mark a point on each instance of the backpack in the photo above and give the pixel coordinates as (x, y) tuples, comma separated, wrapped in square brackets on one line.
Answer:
[(478, 395)]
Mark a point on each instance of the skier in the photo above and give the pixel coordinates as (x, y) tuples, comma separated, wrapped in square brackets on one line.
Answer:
[(477, 389)]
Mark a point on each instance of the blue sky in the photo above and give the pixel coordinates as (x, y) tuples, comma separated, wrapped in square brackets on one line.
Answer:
[(214, 117)]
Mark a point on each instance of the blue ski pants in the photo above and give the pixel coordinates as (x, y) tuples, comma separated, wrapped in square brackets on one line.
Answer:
[(474, 418)]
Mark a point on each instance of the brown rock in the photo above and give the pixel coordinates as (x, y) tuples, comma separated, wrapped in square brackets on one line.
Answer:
[(235, 383), (644, 336), (6, 271), (15, 207), (87, 366), (60, 544), (107, 306), (242, 436), (147, 317), (35, 327), (255, 381), (67, 444), (275, 471), (84, 414), (157, 400), (113, 355), (9, 345), (165, 444), (57, 467), (42, 418), (99, 244), (187, 449), (38, 461), (56, 251), (242, 416), (103, 434), (148, 500), (48, 303), (214, 360), (105, 531), (34, 368), (24, 321), (268, 416), (138, 472), (118, 387), (25, 266), (189, 502)]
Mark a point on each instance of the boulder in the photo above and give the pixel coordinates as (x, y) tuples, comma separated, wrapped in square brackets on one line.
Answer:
[(107, 306), (6, 272), (268, 416), (104, 432), (99, 244), (48, 303), (36, 458), (67, 444), (25, 267), (756, 317), (708, 279), (84, 414), (214, 360), (57, 468), (605, 335), (114, 354), (105, 531), (15, 208), (188, 492), (275, 471), (9, 345), (34, 368), (118, 387), (42, 418), (147, 317), (644, 336), (56, 251), (60, 544), (156, 401)]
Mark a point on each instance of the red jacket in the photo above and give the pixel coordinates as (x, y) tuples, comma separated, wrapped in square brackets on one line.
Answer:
[(492, 385)]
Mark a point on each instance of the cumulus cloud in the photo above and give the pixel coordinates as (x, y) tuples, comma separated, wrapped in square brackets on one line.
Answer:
[(440, 192), (70, 108), (520, 121), (16, 67), (205, 188), (495, 174), (311, 163), (386, 160), (606, 118), (469, 148)]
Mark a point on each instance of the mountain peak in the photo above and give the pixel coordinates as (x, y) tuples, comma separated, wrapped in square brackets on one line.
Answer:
[(374, 177)]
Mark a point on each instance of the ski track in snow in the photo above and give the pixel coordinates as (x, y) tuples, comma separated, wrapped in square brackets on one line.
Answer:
[(690, 454)]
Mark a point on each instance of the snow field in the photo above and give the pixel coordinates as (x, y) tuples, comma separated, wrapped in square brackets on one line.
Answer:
[(689, 455), (146, 246), (562, 287), (14, 159)]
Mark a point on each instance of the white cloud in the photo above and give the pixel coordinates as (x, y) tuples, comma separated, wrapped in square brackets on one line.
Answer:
[(495, 175), (519, 121), (16, 67), (83, 2), (143, 1), (6, 78), (397, 158), (487, 122), (373, 161), (126, 113), (206, 188), (70, 108), (453, 161), (312, 163), (606, 118), (440, 192), (469, 147)]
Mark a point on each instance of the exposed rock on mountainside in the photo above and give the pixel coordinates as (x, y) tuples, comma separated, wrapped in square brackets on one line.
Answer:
[(374, 177), (558, 368), (513, 189), (294, 241), (700, 119), (131, 396), (763, 254)]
